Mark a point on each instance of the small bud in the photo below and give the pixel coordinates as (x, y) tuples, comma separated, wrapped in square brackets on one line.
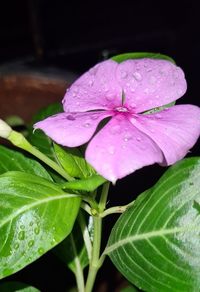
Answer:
[(5, 129)]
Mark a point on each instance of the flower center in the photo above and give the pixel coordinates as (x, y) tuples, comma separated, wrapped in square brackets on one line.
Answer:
[(121, 109)]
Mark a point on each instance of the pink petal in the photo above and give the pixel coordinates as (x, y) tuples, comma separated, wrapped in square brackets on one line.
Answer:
[(175, 130), (120, 148), (150, 83), (96, 89), (72, 129)]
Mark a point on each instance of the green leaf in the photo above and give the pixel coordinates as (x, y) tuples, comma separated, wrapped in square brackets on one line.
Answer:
[(11, 160), (37, 137), (140, 55), (129, 289), (160, 108), (155, 244), (72, 250), (73, 162), (16, 287), (89, 184), (35, 216)]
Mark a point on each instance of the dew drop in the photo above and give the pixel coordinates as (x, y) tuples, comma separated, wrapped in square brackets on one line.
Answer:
[(139, 139), (110, 97), (137, 76), (37, 230), (91, 82), (115, 129), (132, 105), (94, 117), (87, 124), (31, 223), (111, 149), (75, 89), (22, 226), (21, 235), (71, 118), (124, 74), (31, 243), (16, 246), (158, 116), (127, 137), (40, 250)]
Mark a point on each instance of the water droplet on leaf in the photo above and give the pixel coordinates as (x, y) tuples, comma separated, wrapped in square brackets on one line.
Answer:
[(40, 250), (37, 230), (21, 235), (31, 243)]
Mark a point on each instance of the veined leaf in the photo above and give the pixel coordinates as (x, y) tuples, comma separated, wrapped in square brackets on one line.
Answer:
[(73, 162), (35, 216), (156, 242), (140, 55), (11, 160)]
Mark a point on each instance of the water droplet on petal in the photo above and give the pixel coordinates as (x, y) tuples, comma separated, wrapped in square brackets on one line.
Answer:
[(124, 74), (127, 137), (158, 116), (87, 124), (71, 118), (75, 89), (94, 117), (115, 129), (111, 149), (110, 97), (137, 76), (139, 139), (91, 82)]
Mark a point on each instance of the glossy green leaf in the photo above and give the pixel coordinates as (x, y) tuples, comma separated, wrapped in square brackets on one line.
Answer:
[(140, 55), (129, 289), (156, 242), (73, 162), (35, 216), (11, 160), (16, 287), (37, 137), (89, 184)]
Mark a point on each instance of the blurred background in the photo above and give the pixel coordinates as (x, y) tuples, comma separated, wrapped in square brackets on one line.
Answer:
[(45, 45)]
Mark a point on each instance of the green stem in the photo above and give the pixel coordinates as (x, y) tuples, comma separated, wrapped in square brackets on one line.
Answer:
[(20, 141), (115, 210), (79, 271), (95, 262)]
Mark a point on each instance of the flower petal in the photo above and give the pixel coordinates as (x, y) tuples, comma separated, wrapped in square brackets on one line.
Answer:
[(96, 89), (175, 130), (120, 148), (72, 129), (150, 83)]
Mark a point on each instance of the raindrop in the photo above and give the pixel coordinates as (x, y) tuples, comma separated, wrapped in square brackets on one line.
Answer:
[(127, 137), (31, 223), (137, 76), (111, 149), (158, 116), (40, 250), (74, 94), (87, 124), (16, 245), (110, 97), (22, 226), (115, 129), (53, 241), (91, 82), (139, 139), (37, 230), (132, 105), (71, 118), (94, 117), (75, 89), (21, 235), (124, 74), (31, 243)]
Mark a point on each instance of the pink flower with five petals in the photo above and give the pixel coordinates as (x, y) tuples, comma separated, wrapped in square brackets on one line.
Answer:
[(131, 139)]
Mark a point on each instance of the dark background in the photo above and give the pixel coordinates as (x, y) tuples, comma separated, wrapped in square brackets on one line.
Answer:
[(73, 36)]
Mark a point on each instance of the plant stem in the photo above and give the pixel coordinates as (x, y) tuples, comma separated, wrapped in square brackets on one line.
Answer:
[(20, 141), (79, 271), (95, 263), (116, 209)]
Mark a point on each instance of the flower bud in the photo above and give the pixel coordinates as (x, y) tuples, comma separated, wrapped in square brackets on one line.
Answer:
[(5, 129)]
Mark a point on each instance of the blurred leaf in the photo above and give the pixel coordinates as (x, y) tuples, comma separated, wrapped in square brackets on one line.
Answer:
[(16, 287), (155, 243), (140, 55), (11, 160), (129, 289), (89, 184), (35, 216), (72, 161), (72, 250)]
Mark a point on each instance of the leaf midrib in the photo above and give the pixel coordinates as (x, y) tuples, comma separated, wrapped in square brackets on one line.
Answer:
[(32, 205), (148, 235)]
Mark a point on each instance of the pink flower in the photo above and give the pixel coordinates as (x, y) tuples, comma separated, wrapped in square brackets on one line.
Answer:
[(130, 139)]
